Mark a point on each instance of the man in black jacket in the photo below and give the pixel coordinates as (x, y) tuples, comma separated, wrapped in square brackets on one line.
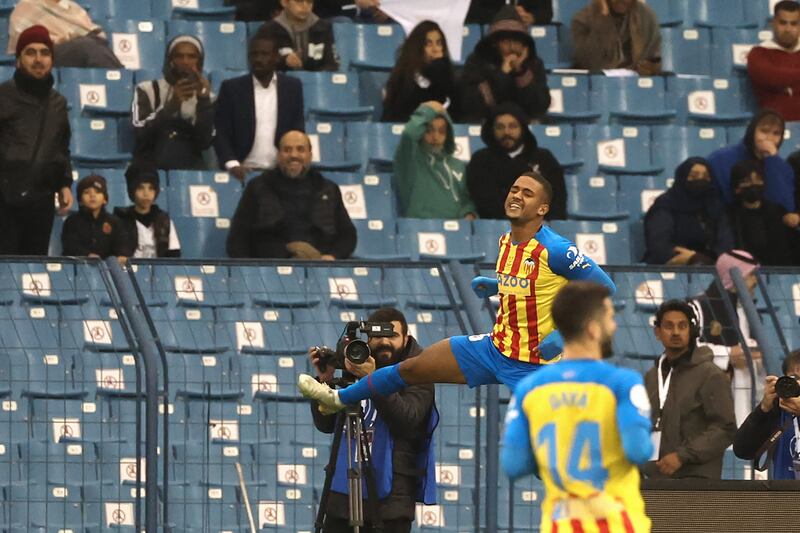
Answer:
[(305, 41), (772, 414), (34, 149), (511, 150), (292, 211), (407, 417)]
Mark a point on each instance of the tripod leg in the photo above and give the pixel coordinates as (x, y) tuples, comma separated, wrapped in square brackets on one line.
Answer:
[(329, 473), (372, 485), (355, 471)]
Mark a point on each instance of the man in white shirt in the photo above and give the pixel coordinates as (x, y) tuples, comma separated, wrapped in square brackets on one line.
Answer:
[(255, 110)]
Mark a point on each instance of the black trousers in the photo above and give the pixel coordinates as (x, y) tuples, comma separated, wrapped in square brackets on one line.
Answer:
[(25, 230), (341, 525)]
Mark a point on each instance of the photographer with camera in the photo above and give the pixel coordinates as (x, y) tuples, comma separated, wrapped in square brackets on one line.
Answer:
[(399, 427), (773, 428)]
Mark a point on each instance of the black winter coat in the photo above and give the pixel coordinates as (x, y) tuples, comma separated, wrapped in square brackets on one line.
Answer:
[(104, 236), (161, 228), (406, 413), (404, 96), (258, 228), (762, 233)]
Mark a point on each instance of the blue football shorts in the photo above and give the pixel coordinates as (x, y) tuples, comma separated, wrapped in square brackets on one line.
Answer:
[(483, 364)]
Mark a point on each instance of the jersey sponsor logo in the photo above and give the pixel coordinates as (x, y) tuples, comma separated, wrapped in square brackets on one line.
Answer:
[(508, 284), (577, 258)]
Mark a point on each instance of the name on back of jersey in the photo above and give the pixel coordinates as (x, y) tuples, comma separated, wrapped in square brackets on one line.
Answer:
[(508, 284), (568, 399)]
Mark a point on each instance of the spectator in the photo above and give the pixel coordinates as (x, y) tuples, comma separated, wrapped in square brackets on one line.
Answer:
[(174, 116), (762, 139), (726, 333), (292, 211), (531, 12), (150, 231), (687, 224), (254, 111), (774, 65), (617, 34), (305, 42), (511, 150), (402, 426), (760, 226), (503, 68), (771, 415), (34, 149), (92, 231), (79, 42), (794, 161), (423, 72), (693, 419), (428, 179)]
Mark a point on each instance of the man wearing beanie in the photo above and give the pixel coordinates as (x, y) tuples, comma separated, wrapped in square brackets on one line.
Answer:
[(34, 149), (504, 68), (174, 116), (150, 231), (92, 231)]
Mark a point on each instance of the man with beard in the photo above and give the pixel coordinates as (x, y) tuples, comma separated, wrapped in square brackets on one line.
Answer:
[(578, 405), (694, 421), (401, 426), (34, 149), (291, 211), (511, 149), (533, 264), (254, 111)]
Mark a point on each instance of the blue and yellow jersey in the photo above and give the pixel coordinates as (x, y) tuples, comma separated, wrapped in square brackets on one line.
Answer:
[(529, 275), (583, 424)]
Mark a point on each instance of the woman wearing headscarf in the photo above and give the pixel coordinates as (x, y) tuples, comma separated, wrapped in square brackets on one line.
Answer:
[(687, 224), (761, 141)]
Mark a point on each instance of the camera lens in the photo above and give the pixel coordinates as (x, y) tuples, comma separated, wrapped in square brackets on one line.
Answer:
[(787, 387), (357, 352)]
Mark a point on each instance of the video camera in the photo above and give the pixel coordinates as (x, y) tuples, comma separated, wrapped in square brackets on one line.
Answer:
[(350, 346), (787, 387)]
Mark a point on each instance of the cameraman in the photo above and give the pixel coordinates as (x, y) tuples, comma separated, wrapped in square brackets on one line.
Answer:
[(771, 415), (401, 423)]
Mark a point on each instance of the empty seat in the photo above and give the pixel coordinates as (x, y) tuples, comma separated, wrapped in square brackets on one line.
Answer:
[(730, 49), (356, 288), (615, 149), (332, 95), (118, 9), (95, 142), (375, 46), (471, 36), (668, 12), (628, 100), (225, 43), (686, 50), (64, 420), (53, 507), (95, 91), (138, 43), (92, 328), (274, 286), (372, 87), (559, 140), (203, 194), (186, 330), (373, 144), (369, 198), (564, 11), (547, 46), (593, 198), (437, 239), (605, 242), (487, 234), (29, 326), (708, 101), (421, 288), (202, 238), (674, 144), (721, 13), (327, 147), (377, 240), (198, 9), (194, 286), (259, 332), (569, 98), (43, 283), (38, 372), (274, 378), (59, 464)]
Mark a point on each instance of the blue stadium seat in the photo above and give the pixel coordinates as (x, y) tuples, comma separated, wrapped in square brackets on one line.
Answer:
[(420, 288), (759, 11), (730, 49), (559, 139), (194, 286), (202, 238), (206, 9), (375, 46), (203, 193), (108, 508), (29, 326), (674, 144), (720, 13), (487, 235), (272, 378), (782, 289), (629, 100), (791, 139), (615, 149), (332, 96), (667, 13), (273, 286), (92, 328), (686, 50), (206, 377), (6, 7), (436, 239), (38, 372), (569, 98), (547, 46), (105, 374), (95, 143), (117, 463), (186, 330), (471, 36), (117, 9), (351, 288), (344, 35), (225, 43), (377, 240), (53, 283), (373, 144), (59, 464), (605, 242), (637, 194), (51, 507), (371, 88), (564, 11), (593, 198), (6, 59), (138, 43), (370, 197), (97, 92), (258, 332), (327, 147), (708, 101), (64, 420), (216, 77)]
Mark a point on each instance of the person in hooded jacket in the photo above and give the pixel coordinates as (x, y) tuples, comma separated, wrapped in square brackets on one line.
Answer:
[(687, 224), (511, 149), (760, 226), (428, 179), (173, 117), (503, 68), (423, 72), (305, 40), (762, 140)]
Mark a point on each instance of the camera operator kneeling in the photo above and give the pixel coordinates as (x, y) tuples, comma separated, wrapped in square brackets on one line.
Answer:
[(400, 424), (773, 425)]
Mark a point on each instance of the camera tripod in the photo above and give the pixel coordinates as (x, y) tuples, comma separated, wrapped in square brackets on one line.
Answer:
[(350, 423)]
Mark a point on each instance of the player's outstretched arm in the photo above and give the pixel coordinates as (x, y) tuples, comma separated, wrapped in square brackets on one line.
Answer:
[(566, 260), (633, 417), (484, 287), (516, 457)]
